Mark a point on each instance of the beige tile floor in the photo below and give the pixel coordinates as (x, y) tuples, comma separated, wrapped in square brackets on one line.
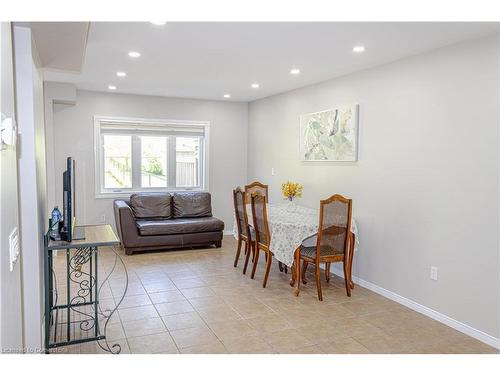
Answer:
[(195, 301)]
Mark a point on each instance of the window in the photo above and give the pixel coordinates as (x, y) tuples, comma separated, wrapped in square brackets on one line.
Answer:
[(187, 160), (117, 161), (135, 155), (154, 162)]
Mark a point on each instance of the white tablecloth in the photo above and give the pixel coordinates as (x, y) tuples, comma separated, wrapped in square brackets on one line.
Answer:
[(289, 224)]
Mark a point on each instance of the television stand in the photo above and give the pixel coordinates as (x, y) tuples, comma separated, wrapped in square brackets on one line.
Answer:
[(73, 316)]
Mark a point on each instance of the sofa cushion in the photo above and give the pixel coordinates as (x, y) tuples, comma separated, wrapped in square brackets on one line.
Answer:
[(151, 205), (179, 226), (192, 204)]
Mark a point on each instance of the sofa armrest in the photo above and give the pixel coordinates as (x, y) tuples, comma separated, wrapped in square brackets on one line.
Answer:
[(125, 223)]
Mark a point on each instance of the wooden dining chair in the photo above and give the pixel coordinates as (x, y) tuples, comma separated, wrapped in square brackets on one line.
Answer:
[(262, 234), (257, 187), (245, 232), (352, 240), (330, 244)]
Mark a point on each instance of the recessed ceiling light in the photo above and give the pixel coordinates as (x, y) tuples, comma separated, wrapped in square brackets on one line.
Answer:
[(358, 49), (121, 74), (255, 85), (134, 54), (112, 87), (227, 96), (294, 71), (158, 23)]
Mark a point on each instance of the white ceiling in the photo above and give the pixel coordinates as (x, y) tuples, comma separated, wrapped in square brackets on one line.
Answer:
[(207, 60)]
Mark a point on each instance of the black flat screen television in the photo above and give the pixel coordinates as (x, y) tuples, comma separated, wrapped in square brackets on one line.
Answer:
[(68, 231)]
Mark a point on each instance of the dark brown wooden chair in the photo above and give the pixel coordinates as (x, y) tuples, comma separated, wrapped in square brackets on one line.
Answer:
[(330, 244), (262, 235), (257, 187), (245, 232)]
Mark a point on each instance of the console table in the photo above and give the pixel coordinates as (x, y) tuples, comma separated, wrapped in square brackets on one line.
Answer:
[(72, 316)]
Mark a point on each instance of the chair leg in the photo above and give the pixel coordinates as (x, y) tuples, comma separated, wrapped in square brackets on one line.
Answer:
[(327, 272), (297, 271), (268, 268), (294, 274), (304, 270), (248, 251), (318, 282), (255, 260), (346, 279), (351, 255), (235, 264)]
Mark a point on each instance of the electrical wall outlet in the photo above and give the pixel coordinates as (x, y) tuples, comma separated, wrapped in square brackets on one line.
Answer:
[(272, 171), (103, 218), (434, 273)]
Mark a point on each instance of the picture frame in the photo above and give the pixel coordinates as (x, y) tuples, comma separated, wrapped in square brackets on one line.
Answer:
[(330, 135)]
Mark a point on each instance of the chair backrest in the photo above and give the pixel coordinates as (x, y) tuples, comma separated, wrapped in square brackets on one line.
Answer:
[(334, 223), (259, 215), (240, 211), (257, 187)]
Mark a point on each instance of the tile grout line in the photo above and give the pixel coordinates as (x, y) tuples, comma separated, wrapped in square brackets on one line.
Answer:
[(206, 323), (156, 309)]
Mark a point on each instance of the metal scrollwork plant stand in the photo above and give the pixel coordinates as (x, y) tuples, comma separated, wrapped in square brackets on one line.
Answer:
[(77, 319)]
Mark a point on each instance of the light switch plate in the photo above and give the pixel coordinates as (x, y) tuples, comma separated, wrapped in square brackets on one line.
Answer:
[(13, 248)]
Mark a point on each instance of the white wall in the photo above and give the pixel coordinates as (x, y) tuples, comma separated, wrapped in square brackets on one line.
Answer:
[(73, 127), (425, 188), (32, 183), (11, 310), (54, 93)]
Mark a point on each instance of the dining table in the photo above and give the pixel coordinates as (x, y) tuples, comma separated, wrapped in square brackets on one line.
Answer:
[(289, 224)]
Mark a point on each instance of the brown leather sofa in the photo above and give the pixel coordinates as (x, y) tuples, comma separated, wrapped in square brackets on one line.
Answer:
[(158, 221)]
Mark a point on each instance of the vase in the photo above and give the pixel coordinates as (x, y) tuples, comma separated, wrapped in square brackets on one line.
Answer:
[(290, 205)]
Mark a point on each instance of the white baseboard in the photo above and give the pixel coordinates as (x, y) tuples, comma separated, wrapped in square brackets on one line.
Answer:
[(450, 322), (227, 232)]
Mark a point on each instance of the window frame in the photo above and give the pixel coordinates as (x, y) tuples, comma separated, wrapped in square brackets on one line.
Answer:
[(102, 192)]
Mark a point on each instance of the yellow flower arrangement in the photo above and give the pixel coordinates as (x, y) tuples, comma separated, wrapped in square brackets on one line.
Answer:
[(291, 190)]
